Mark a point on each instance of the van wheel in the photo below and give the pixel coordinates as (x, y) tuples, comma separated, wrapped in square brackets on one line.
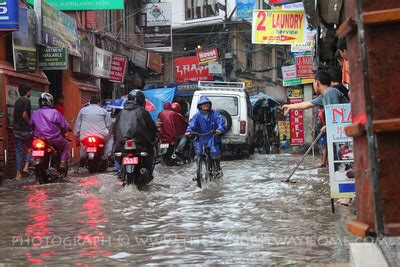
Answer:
[(228, 119)]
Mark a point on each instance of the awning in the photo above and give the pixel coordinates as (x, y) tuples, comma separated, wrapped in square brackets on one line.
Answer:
[(38, 76), (86, 86)]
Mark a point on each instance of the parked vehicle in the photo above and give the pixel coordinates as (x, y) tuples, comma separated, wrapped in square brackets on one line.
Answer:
[(46, 161), (133, 157), (94, 147), (232, 101)]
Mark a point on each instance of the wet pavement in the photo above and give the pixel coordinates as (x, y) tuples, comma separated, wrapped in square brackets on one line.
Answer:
[(248, 217)]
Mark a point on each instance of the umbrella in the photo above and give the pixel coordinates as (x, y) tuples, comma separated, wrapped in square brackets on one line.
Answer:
[(119, 103)]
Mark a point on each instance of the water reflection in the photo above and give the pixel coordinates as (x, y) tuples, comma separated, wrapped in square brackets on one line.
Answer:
[(38, 234), (92, 238)]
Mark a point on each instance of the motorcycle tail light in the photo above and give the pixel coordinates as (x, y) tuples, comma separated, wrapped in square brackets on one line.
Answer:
[(242, 127), (92, 140), (38, 144), (130, 143), (130, 155)]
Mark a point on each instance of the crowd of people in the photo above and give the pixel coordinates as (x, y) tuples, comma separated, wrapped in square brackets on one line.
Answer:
[(133, 121)]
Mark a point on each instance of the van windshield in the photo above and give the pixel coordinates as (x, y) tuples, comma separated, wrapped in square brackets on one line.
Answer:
[(228, 103)]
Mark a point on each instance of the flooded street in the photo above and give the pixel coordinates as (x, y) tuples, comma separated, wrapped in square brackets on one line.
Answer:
[(249, 217)]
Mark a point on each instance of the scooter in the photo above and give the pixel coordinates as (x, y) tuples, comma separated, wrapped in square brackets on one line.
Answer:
[(134, 157), (94, 161), (46, 161)]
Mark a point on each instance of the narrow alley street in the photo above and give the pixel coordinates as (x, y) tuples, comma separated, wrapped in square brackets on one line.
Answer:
[(249, 217)]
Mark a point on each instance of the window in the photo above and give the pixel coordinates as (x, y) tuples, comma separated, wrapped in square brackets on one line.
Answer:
[(228, 103), (196, 9), (109, 20), (280, 61), (125, 24)]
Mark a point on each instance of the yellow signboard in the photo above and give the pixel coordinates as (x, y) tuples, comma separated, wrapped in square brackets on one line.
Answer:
[(278, 27)]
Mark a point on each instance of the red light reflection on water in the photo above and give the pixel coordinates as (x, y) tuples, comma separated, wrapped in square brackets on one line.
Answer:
[(93, 238), (38, 231)]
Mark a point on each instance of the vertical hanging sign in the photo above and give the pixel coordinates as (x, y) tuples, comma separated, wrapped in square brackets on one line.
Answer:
[(296, 123)]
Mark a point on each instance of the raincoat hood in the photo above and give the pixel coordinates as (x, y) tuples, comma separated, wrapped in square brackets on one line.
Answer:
[(203, 100), (167, 105), (131, 105)]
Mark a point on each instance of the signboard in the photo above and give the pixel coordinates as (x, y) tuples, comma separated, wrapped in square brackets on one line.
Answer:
[(297, 81), (215, 68), (284, 130), (244, 8), (207, 56), (340, 151), (158, 14), (308, 45), (295, 92), (84, 64), (53, 58), (158, 38), (24, 42), (278, 27), (102, 63), (289, 72), (304, 66), (59, 30), (85, 5), (154, 62), (282, 2), (188, 70), (9, 13), (296, 123), (118, 66), (140, 58)]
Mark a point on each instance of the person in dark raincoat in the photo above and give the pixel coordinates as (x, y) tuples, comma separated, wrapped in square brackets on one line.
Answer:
[(135, 122), (204, 121)]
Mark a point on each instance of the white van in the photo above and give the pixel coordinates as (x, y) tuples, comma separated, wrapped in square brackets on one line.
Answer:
[(232, 101)]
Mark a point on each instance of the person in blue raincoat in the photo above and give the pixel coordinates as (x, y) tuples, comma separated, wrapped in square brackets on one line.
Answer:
[(204, 121)]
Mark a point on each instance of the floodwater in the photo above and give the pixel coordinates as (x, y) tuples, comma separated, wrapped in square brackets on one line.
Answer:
[(248, 217)]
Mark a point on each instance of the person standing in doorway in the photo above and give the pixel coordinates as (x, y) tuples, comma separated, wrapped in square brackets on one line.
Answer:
[(22, 130)]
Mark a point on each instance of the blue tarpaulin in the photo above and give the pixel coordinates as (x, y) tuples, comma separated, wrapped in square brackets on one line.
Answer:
[(158, 97)]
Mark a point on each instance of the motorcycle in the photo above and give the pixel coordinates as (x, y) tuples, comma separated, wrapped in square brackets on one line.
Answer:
[(133, 157), (46, 161), (167, 151), (94, 161)]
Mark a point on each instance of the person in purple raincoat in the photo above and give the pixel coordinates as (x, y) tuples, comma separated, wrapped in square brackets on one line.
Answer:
[(50, 125)]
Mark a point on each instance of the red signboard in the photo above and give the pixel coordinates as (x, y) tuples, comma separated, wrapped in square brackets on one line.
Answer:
[(207, 56), (154, 62), (117, 72), (188, 70), (296, 124), (304, 67)]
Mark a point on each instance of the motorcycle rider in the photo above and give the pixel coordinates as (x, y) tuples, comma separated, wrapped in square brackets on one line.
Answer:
[(93, 120), (50, 125), (204, 121), (135, 122), (180, 125)]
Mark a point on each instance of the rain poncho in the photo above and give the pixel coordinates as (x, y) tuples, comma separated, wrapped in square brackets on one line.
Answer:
[(206, 122)]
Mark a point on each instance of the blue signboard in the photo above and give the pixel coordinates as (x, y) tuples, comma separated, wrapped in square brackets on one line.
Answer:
[(9, 15), (245, 8)]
